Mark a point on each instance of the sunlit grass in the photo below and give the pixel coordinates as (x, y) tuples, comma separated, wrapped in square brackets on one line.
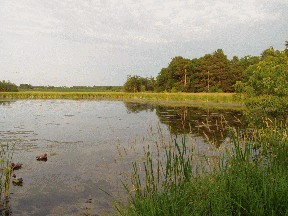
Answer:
[(249, 178), (187, 97)]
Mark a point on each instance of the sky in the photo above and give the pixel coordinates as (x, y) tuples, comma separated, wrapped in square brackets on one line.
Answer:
[(101, 42)]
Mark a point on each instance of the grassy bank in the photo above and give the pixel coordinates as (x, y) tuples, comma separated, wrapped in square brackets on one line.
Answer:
[(249, 179), (192, 97)]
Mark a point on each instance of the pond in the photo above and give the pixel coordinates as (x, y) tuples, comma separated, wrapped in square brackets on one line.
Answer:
[(82, 139)]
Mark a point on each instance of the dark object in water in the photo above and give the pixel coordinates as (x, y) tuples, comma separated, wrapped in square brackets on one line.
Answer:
[(17, 181), (16, 166), (89, 200), (42, 157)]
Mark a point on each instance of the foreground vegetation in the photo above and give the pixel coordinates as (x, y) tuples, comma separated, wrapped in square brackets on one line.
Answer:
[(249, 178), (6, 153), (192, 97)]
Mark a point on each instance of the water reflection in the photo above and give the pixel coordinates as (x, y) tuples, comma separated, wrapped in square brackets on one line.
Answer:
[(211, 124), (3, 103), (5, 208), (138, 107), (81, 140)]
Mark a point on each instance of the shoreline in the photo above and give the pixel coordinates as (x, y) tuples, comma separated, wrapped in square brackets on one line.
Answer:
[(183, 97), (208, 100)]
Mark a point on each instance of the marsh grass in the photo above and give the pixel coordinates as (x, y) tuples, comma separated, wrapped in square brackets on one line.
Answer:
[(6, 154), (188, 97), (248, 177)]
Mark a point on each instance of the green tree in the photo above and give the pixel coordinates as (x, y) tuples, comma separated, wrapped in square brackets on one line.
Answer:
[(247, 61), (161, 80), (132, 84), (178, 67), (150, 84), (7, 86), (223, 77), (265, 85), (25, 87), (236, 71), (215, 72), (194, 75), (268, 52), (286, 47), (206, 77), (174, 76), (139, 84)]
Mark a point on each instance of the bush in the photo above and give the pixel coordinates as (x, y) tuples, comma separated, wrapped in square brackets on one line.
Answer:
[(265, 86), (139, 84), (8, 87)]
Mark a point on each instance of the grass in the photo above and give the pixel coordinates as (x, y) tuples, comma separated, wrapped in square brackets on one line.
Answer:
[(186, 97), (250, 178), (6, 153)]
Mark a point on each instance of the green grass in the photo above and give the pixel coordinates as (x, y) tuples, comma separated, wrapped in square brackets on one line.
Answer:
[(249, 179), (6, 153), (185, 97)]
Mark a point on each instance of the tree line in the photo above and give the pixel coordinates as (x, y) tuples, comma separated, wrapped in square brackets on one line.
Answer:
[(210, 73), (264, 87), (7, 86)]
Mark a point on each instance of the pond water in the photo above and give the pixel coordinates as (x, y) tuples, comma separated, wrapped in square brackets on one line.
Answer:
[(82, 139)]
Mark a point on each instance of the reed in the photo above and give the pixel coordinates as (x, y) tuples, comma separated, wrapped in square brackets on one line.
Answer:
[(6, 153), (250, 178), (190, 97)]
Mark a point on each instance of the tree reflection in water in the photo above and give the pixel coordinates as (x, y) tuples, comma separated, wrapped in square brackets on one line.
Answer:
[(3, 103), (211, 123)]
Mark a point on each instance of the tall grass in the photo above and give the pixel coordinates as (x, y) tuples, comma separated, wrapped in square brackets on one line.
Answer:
[(250, 178), (6, 153), (189, 97)]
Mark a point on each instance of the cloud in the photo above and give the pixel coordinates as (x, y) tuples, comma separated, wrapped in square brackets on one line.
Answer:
[(98, 42), (131, 21)]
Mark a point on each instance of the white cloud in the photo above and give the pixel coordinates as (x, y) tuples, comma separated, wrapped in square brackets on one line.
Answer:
[(129, 21), (102, 41)]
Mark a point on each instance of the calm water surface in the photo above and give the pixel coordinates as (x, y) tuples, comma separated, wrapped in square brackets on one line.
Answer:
[(81, 139)]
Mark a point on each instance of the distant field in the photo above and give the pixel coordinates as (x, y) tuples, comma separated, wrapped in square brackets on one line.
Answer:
[(74, 89), (185, 97)]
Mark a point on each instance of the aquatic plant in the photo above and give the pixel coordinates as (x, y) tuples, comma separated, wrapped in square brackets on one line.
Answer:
[(249, 177), (6, 153)]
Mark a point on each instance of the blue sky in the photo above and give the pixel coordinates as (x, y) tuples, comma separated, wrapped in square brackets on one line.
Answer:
[(86, 42)]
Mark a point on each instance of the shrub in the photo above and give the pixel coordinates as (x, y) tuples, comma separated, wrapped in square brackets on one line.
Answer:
[(8, 87)]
